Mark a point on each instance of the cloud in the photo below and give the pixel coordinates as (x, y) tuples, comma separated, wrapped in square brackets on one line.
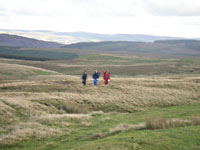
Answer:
[(3, 12), (100, 8), (36, 7), (89, 8), (159, 17), (173, 7)]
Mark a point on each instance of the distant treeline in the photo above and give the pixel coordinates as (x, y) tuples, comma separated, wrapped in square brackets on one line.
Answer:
[(157, 48), (37, 55), (189, 44)]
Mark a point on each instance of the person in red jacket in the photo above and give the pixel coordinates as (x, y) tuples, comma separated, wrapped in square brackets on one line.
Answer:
[(106, 77), (104, 73)]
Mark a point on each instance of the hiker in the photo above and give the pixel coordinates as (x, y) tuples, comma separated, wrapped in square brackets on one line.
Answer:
[(84, 78), (95, 77), (106, 77), (98, 72), (104, 73)]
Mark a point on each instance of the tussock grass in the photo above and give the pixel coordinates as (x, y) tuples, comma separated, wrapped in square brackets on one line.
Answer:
[(124, 127), (16, 71), (38, 127), (161, 123), (62, 121), (76, 108), (57, 104), (122, 95), (66, 106), (120, 128), (38, 104), (52, 117), (195, 120), (24, 131), (150, 124)]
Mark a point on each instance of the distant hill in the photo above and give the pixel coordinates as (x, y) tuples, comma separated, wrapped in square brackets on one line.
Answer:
[(76, 37), (36, 55), (119, 37), (19, 41), (189, 44), (166, 47)]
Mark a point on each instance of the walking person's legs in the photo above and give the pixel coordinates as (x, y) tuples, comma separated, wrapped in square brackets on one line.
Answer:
[(106, 82), (95, 81), (84, 82)]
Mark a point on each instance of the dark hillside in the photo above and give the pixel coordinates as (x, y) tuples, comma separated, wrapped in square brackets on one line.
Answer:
[(19, 41), (163, 48), (189, 44), (16, 53)]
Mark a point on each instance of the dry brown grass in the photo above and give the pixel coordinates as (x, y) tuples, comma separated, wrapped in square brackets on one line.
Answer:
[(119, 128), (195, 120), (46, 125), (124, 95), (37, 105), (53, 117), (16, 71), (124, 127), (150, 124), (25, 131), (162, 123)]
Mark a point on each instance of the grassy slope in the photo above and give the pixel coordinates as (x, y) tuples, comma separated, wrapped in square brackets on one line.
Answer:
[(38, 55), (120, 65), (35, 103), (81, 134), (18, 72), (38, 118), (160, 48)]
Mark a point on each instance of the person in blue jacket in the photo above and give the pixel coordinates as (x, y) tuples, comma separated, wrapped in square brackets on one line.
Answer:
[(95, 77)]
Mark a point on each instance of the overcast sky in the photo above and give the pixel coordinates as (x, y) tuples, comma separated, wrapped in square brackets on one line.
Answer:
[(180, 18)]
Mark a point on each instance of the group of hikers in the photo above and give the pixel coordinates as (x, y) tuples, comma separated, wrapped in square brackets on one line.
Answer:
[(95, 76)]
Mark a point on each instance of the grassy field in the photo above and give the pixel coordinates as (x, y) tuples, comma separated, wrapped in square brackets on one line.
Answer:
[(119, 65), (151, 103)]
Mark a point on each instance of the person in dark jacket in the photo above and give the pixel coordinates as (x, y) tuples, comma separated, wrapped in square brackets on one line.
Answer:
[(98, 72), (84, 78), (95, 77)]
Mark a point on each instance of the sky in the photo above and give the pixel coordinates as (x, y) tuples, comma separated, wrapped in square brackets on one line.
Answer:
[(178, 18)]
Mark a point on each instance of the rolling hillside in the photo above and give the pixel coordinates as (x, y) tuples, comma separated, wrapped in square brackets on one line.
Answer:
[(19, 41), (75, 37), (163, 48), (43, 109), (117, 37), (38, 55), (150, 103)]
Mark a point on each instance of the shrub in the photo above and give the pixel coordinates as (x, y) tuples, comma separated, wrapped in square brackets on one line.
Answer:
[(162, 123), (195, 120), (70, 107)]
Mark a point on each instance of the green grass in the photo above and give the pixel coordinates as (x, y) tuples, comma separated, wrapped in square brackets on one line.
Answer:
[(113, 59), (40, 72), (118, 64), (98, 57), (37, 55), (81, 137), (168, 89)]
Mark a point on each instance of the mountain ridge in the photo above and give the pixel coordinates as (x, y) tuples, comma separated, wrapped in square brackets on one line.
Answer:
[(76, 37), (163, 47), (24, 42)]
